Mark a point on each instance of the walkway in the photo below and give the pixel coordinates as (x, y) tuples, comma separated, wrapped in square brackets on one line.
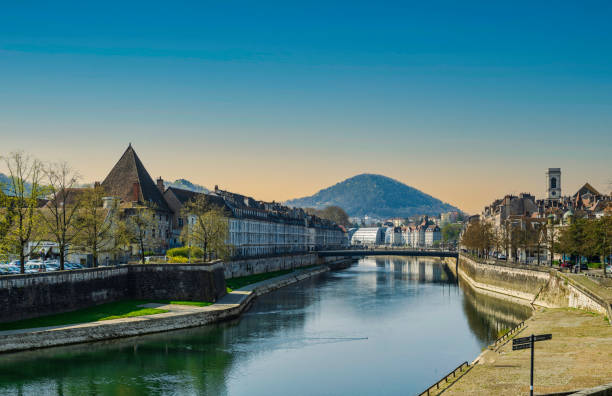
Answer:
[(578, 356)]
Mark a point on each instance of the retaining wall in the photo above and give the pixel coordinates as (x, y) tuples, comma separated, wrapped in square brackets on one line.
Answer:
[(32, 295), (539, 286), (246, 267)]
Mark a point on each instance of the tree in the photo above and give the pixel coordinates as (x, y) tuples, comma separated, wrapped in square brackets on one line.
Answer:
[(6, 219), (572, 239), (450, 232), (551, 239), (207, 228), (100, 228), (332, 213), (599, 238), (25, 192), (140, 227), (540, 238), (60, 211)]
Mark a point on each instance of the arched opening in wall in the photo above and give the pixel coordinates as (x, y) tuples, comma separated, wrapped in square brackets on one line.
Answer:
[(553, 182)]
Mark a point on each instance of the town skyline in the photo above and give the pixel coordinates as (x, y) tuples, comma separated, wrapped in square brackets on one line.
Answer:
[(246, 182)]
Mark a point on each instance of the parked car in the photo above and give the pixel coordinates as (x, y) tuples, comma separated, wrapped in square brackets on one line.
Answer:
[(584, 267), (34, 267), (501, 256), (14, 269), (566, 264), (609, 268), (52, 266)]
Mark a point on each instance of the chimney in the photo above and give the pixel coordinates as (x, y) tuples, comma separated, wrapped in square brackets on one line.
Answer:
[(216, 188), (160, 184), (96, 184), (136, 192)]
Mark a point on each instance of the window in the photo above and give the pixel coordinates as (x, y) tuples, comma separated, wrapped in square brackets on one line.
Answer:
[(553, 182)]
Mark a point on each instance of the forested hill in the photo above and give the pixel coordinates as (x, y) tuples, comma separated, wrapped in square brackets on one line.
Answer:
[(375, 196)]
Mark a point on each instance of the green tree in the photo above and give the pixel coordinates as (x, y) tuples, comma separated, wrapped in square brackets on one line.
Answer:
[(451, 232), (207, 228), (25, 193), (332, 213), (599, 238), (573, 239)]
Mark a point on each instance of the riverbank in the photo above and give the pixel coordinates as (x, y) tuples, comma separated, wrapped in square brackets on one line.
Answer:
[(577, 357), (178, 317), (579, 353)]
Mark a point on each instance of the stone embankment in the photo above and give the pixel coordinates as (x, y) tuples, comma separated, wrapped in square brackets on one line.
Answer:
[(575, 360), (540, 286), (227, 307)]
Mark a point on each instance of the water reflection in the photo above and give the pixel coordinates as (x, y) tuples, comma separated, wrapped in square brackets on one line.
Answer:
[(389, 325)]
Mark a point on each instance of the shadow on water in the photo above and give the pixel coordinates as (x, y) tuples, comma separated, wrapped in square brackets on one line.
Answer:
[(394, 312)]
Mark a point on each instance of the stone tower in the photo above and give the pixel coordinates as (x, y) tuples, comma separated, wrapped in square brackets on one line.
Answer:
[(553, 183)]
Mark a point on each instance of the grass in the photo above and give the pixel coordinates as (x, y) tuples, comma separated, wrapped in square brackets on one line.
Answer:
[(114, 310), (191, 303), (237, 283)]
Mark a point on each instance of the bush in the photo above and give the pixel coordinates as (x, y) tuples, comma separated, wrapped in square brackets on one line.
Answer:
[(196, 252), (177, 259)]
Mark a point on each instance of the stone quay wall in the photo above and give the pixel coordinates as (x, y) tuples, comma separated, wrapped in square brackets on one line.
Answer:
[(253, 266), (33, 295), (544, 287)]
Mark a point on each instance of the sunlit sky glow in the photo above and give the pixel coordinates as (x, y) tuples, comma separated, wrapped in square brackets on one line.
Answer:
[(466, 101)]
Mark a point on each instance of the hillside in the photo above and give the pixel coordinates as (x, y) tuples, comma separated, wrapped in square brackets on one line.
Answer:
[(376, 196), (186, 185)]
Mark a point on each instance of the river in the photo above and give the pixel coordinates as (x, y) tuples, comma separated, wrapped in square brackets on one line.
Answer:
[(385, 326)]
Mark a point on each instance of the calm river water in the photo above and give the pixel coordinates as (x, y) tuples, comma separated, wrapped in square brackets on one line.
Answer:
[(385, 326)]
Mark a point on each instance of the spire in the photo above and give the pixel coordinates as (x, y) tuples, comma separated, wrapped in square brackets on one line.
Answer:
[(130, 181)]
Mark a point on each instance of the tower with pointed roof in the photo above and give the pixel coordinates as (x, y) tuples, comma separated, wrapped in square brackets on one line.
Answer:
[(130, 181)]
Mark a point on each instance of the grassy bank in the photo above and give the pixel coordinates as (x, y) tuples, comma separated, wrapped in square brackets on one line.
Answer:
[(237, 283), (114, 310)]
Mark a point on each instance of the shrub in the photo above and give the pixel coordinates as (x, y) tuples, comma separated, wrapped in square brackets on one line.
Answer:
[(196, 252), (177, 259)]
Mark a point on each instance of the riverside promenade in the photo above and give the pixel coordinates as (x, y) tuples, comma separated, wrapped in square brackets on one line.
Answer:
[(178, 317), (578, 357)]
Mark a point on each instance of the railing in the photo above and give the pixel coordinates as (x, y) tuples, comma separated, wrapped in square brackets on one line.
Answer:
[(508, 334), (445, 378)]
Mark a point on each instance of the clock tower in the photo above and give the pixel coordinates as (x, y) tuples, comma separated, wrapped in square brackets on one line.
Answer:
[(553, 183)]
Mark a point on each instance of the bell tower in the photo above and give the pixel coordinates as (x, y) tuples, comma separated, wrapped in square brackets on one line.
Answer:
[(553, 183)]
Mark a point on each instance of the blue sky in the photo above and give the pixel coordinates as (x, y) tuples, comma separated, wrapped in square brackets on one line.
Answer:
[(465, 100)]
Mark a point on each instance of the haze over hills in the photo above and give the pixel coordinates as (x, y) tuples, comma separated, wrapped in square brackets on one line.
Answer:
[(186, 185), (376, 196)]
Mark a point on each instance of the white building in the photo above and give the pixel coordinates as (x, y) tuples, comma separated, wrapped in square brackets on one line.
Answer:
[(368, 236)]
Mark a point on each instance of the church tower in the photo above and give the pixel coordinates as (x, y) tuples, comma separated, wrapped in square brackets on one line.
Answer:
[(553, 183)]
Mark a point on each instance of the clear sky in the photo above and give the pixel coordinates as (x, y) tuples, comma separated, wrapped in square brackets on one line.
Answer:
[(466, 101)]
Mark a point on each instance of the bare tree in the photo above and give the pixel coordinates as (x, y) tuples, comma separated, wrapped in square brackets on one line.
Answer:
[(24, 195), (207, 229), (60, 212), (100, 229), (141, 228)]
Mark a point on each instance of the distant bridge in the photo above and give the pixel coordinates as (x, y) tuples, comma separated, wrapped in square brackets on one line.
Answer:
[(389, 252)]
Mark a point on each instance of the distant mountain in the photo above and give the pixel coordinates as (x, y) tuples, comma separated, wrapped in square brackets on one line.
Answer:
[(4, 180), (376, 196), (186, 185)]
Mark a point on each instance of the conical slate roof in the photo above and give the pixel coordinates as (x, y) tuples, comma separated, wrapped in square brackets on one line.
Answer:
[(129, 180)]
